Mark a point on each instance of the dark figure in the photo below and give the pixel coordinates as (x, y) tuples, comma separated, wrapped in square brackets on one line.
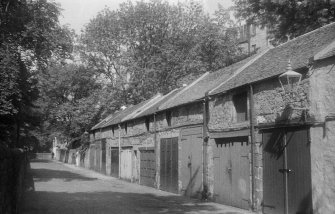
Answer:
[(52, 155)]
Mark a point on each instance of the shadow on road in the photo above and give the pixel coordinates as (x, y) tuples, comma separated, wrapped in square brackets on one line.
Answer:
[(44, 175), (112, 202)]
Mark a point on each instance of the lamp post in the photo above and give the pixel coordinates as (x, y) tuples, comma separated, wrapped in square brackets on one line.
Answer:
[(290, 78)]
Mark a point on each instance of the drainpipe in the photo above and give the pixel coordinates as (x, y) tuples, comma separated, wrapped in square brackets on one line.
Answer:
[(205, 140), (119, 151), (252, 136), (156, 147)]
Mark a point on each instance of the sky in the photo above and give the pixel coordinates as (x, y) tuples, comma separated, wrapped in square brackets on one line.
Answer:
[(77, 13)]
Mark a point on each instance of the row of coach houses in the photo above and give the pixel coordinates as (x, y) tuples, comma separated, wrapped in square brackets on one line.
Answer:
[(258, 135)]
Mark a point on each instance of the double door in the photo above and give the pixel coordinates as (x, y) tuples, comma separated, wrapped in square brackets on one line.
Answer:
[(286, 172), (191, 172), (126, 164), (115, 162), (232, 172), (169, 164), (147, 167)]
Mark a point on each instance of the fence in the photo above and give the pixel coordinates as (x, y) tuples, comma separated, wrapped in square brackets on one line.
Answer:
[(13, 171)]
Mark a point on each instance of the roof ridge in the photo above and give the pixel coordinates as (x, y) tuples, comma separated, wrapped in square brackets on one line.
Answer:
[(154, 102), (135, 112), (184, 89), (240, 69), (306, 34)]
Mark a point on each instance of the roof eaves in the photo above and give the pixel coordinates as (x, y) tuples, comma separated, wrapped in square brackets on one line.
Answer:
[(241, 69), (167, 106)]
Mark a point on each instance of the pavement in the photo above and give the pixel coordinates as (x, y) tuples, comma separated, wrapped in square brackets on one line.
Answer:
[(67, 189)]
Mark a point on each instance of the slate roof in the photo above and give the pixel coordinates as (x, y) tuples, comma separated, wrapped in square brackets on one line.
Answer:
[(205, 83), (116, 117), (163, 100), (300, 50), (150, 102)]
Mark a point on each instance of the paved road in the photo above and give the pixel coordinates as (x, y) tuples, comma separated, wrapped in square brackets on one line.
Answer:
[(66, 189)]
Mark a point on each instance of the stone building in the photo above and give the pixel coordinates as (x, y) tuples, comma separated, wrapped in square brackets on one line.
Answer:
[(252, 141)]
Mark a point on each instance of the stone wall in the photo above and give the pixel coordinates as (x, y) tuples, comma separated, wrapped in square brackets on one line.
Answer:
[(322, 90), (13, 171), (322, 102), (222, 113), (272, 104)]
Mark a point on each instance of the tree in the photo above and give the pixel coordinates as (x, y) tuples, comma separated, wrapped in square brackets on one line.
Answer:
[(287, 19), (29, 35), (145, 47), (71, 100)]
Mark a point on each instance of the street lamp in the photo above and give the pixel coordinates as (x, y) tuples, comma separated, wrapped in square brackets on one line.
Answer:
[(289, 78)]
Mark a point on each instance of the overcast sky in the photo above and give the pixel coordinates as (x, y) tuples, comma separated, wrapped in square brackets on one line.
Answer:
[(77, 13)]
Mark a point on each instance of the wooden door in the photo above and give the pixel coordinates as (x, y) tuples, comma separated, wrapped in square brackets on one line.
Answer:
[(232, 172), (222, 175), (98, 156), (287, 171), (103, 156), (169, 165), (92, 156), (191, 161), (147, 167), (240, 173), (273, 181), (115, 163), (299, 178), (126, 164)]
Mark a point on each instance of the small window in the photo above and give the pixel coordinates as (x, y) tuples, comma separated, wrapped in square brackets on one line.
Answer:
[(168, 116), (147, 123), (113, 130), (126, 127), (241, 107)]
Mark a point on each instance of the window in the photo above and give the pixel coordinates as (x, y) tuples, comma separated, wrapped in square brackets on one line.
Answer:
[(168, 116), (125, 127), (113, 130), (147, 123), (241, 106)]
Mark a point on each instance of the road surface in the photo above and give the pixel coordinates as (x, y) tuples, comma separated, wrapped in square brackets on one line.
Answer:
[(66, 189)]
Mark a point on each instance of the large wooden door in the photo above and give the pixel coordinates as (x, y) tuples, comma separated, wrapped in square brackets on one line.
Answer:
[(232, 172), (191, 161), (103, 156), (98, 156), (287, 172), (169, 165), (147, 167), (92, 156), (126, 164), (115, 162)]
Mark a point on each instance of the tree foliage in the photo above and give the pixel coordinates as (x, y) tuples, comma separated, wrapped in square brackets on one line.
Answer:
[(287, 19), (29, 35), (145, 47), (71, 100)]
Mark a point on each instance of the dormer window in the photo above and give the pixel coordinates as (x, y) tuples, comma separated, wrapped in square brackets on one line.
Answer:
[(241, 106)]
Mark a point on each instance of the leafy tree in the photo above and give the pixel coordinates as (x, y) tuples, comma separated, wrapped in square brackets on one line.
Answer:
[(71, 100), (287, 19), (29, 35), (145, 47)]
